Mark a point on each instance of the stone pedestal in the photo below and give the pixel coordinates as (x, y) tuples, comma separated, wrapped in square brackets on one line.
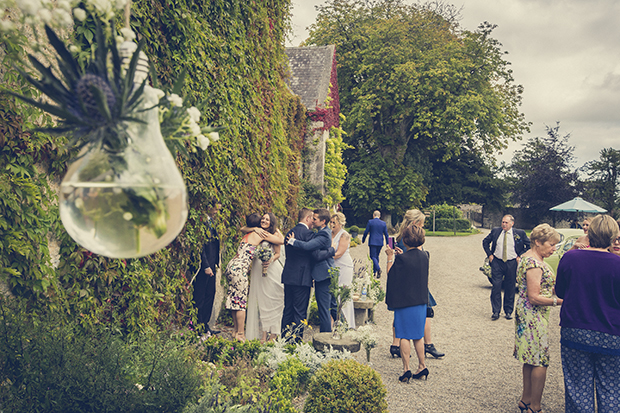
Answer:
[(322, 341), (363, 310)]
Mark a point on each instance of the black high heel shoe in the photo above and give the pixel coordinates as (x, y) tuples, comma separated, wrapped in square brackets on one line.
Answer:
[(395, 351), (523, 409), (405, 377), (423, 373)]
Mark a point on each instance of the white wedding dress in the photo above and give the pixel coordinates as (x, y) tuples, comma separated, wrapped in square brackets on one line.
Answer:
[(346, 277), (266, 299)]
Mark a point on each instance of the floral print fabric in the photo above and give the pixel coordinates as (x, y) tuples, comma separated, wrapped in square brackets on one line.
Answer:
[(532, 321), (237, 276)]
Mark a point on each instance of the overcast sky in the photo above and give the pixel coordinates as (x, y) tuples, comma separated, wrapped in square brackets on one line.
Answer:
[(565, 53)]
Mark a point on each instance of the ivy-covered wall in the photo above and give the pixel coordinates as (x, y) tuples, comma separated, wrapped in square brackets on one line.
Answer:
[(233, 52)]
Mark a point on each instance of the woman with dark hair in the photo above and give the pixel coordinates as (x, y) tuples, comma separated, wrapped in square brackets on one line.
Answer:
[(415, 216), (407, 296), (535, 280), (237, 274), (589, 282), (266, 299)]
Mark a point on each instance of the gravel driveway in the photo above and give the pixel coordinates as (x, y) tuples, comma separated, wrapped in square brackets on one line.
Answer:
[(479, 372)]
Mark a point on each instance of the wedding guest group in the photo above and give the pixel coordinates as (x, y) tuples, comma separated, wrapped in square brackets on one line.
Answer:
[(504, 247)]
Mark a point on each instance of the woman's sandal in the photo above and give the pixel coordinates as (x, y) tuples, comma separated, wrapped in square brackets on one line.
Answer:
[(523, 409)]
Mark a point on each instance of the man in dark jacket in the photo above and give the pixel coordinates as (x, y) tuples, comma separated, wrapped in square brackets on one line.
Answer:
[(322, 253), (297, 277), (504, 247), (377, 230), (204, 284)]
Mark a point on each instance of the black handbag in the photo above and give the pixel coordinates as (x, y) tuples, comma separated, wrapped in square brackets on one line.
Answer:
[(430, 313)]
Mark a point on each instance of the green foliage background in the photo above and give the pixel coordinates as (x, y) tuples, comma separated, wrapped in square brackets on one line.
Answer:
[(234, 56)]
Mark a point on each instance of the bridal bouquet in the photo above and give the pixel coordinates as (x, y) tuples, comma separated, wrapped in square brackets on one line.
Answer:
[(264, 253)]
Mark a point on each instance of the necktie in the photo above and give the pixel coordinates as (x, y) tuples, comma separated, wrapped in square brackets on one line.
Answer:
[(505, 248)]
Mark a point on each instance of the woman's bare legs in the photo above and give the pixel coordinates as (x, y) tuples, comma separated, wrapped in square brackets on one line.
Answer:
[(395, 341), (405, 351), (533, 385), (239, 324), (419, 350), (427, 332)]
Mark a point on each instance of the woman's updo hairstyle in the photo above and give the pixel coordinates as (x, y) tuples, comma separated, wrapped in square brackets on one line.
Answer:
[(252, 220), (413, 236)]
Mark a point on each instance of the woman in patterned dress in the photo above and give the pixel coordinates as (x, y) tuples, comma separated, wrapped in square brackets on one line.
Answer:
[(535, 280), (237, 274)]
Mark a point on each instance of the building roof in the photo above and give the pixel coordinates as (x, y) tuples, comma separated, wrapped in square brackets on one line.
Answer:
[(311, 69)]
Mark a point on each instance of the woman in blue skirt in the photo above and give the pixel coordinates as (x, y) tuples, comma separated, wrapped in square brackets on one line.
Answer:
[(407, 296)]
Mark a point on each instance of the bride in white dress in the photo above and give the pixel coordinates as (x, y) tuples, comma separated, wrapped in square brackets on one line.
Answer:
[(266, 298), (340, 241)]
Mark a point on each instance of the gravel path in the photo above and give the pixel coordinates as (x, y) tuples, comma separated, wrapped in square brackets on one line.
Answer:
[(478, 372)]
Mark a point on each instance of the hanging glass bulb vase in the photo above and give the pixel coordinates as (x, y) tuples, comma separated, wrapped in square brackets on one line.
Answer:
[(131, 202)]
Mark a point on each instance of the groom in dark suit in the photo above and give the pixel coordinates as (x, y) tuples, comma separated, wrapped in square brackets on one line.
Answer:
[(504, 247), (323, 253), (297, 277)]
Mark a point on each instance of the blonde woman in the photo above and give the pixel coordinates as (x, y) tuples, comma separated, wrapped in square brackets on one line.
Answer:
[(342, 259), (535, 281), (417, 217)]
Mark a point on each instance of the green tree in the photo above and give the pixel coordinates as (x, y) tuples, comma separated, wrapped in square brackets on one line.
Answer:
[(466, 178), (604, 185), (541, 174), (415, 88)]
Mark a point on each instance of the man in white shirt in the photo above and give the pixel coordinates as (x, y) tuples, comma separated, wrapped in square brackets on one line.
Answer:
[(504, 247)]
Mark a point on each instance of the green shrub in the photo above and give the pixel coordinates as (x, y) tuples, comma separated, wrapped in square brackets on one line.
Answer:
[(346, 386), (290, 379), (445, 211), (354, 228), (54, 365), (447, 224), (220, 350)]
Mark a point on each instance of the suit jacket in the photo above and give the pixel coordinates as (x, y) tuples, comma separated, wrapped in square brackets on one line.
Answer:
[(210, 254), (322, 262), (377, 230), (298, 266), (522, 242)]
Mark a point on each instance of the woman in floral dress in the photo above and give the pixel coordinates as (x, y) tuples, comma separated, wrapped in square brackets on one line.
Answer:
[(237, 274), (535, 280)]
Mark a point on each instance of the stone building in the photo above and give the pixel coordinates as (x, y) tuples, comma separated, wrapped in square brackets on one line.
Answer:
[(313, 78)]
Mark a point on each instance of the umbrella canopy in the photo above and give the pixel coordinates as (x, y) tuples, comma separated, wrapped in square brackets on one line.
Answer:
[(578, 205)]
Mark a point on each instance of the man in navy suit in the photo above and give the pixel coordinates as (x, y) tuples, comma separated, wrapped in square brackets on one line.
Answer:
[(297, 277), (504, 247), (204, 283), (377, 230), (323, 253)]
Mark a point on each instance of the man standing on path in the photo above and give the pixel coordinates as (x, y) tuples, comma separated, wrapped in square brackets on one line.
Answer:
[(204, 284), (504, 247), (377, 230), (323, 260), (297, 277)]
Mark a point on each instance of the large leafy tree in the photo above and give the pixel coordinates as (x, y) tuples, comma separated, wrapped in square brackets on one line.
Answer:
[(542, 175), (415, 89), (604, 184)]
